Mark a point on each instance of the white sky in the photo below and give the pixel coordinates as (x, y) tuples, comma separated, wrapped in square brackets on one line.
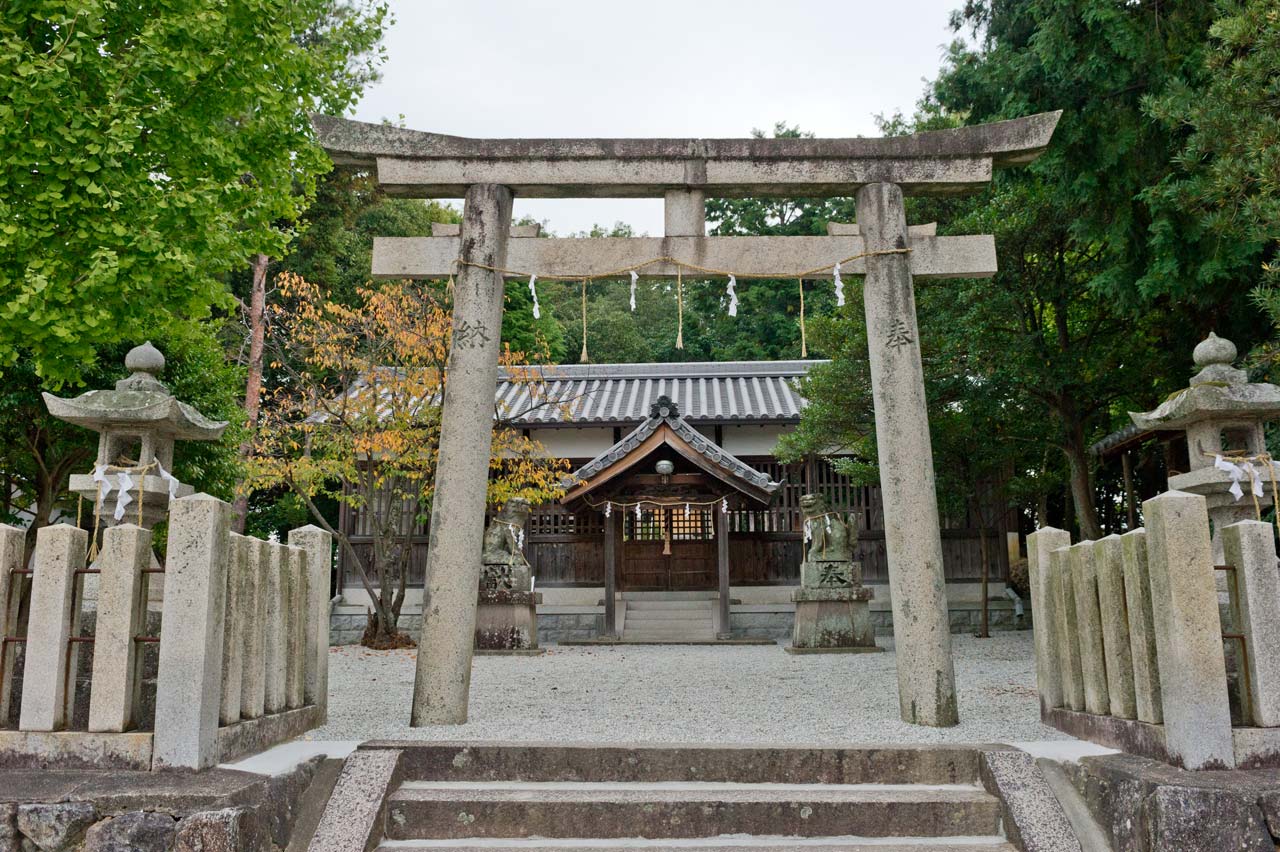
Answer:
[(534, 68)]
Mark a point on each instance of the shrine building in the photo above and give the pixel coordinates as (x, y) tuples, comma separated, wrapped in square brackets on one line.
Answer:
[(659, 453)]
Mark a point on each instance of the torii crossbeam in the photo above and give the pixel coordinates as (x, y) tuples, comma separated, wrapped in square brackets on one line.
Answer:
[(685, 172)]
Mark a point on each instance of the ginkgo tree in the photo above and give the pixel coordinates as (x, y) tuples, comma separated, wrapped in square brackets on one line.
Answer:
[(352, 415)]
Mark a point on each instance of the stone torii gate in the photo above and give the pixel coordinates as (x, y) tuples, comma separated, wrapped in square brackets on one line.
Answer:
[(487, 173)]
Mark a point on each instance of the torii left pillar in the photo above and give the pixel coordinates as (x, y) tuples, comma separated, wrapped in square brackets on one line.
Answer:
[(462, 472)]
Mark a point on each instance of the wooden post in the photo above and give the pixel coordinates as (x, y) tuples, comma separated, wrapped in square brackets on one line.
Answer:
[(1130, 501), (722, 559), (610, 630)]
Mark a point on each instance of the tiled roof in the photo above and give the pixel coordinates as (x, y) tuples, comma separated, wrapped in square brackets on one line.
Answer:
[(719, 392), (667, 411)]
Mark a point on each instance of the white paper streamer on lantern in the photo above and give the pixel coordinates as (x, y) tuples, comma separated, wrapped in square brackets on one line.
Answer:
[(732, 291), (634, 278), (533, 291), (835, 274), (1238, 473), (100, 477), (124, 483), (170, 479)]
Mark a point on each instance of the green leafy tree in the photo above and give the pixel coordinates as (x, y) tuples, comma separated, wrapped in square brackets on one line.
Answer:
[(151, 147)]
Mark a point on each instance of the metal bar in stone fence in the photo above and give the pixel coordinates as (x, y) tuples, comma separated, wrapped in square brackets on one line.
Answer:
[(243, 643), (1130, 647)]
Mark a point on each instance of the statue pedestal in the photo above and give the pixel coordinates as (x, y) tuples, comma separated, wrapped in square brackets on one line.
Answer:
[(832, 621), (507, 622)]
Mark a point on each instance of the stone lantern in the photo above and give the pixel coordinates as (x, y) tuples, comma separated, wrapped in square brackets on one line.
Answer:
[(138, 423), (1223, 414)]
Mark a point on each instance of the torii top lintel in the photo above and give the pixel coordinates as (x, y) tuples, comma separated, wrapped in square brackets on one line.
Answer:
[(429, 165)]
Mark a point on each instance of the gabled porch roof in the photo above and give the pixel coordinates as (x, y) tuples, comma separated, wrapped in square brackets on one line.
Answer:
[(665, 426)]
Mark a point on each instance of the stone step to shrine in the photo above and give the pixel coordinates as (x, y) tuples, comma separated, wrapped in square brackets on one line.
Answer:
[(731, 843), (457, 810), (667, 604), (462, 797), (673, 619)]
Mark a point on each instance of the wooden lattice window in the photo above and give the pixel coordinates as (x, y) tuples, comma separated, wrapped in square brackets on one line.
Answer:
[(697, 525)]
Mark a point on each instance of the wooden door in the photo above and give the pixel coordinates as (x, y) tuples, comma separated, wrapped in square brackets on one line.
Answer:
[(668, 551)]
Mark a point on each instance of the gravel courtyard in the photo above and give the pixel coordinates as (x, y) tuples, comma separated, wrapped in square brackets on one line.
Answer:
[(691, 694)]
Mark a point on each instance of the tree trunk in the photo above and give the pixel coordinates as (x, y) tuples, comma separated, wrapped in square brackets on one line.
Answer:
[(253, 382), (1082, 485)]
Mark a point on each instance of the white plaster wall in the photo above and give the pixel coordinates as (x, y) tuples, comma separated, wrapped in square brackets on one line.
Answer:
[(752, 440), (585, 443)]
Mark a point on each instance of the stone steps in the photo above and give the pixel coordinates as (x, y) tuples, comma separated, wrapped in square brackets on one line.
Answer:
[(727, 843), (458, 810), (511, 797), (672, 620), (675, 603)]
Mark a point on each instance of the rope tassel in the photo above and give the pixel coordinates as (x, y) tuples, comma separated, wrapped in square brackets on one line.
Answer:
[(679, 309), (583, 357), (804, 343)]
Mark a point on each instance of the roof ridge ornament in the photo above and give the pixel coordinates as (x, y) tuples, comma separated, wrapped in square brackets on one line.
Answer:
[(665, 409)]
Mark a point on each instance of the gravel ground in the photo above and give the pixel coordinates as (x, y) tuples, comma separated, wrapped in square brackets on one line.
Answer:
[(690, 694)]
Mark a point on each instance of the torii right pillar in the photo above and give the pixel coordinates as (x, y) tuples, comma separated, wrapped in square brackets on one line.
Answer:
[(913, 537)]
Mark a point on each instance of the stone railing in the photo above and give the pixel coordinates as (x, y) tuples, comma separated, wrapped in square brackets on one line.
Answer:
[(1131, 649), (240, 659)]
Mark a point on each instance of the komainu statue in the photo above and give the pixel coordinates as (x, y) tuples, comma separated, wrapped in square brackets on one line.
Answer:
[(832, 610), (830, 537), (506, 616), (504, 537)]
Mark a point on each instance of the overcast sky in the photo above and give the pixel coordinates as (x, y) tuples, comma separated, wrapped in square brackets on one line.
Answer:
[(535, 68)]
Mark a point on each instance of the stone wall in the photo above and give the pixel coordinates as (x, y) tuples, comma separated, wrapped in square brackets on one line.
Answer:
[(1147, 806), (95, 811), (346, 624)]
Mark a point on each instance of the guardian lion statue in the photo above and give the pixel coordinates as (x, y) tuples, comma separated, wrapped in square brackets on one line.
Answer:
[(831, 538)]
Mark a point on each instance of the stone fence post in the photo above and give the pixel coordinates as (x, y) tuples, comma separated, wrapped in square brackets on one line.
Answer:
[(188, 689), (1142, 630), (1116, 643), (1250, 549), (126, 553), (238, 608), (318, 545), (295, 640), (1064, 615), (1045, 629), (277, 628), (13, 542), (60, 552), (1184, 604), (1083, 565), (253, 675)]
